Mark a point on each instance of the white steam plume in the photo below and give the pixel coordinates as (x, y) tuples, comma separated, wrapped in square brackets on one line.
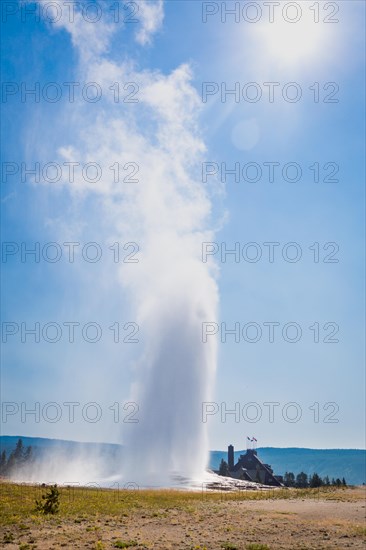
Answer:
[(168, 213)]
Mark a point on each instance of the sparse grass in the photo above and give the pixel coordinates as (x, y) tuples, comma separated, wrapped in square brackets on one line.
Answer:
[(359, 530), (81, 504), (102, 519)]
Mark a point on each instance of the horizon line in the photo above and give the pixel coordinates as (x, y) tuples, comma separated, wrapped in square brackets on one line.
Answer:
[(211, 450)]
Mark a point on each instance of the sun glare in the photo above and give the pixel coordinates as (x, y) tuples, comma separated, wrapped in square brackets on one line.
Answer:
[(292, 42)]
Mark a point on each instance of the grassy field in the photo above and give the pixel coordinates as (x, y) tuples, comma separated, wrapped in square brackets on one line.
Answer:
[(166, 519)]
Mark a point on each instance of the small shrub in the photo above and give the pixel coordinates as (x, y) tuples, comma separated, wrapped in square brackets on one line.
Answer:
[(8, 538), (255, 546), (120, 544), (229, 546), (50, 502)]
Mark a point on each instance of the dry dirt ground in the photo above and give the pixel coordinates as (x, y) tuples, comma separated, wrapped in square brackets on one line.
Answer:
[(317, 522)]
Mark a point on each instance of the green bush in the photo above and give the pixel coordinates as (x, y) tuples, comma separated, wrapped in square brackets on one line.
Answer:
[(50, 502)]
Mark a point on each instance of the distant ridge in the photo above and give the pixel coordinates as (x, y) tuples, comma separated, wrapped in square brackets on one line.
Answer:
[(8, 442), (348, 463)]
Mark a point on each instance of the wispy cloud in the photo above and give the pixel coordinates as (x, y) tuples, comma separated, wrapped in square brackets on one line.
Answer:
[(151, 15)]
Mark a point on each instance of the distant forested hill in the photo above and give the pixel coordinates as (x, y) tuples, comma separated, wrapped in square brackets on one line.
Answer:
[(41, 445), (347, 463)]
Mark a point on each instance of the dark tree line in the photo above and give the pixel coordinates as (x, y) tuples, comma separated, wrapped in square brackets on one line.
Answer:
[(224, 468), (16, 460), (302, 481)]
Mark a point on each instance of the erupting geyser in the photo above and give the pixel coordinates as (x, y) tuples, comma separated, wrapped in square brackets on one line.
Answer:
[(176, 376), (167, 212)]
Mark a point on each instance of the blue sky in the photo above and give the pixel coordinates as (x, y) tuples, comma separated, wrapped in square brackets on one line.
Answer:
[(304, 212)]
